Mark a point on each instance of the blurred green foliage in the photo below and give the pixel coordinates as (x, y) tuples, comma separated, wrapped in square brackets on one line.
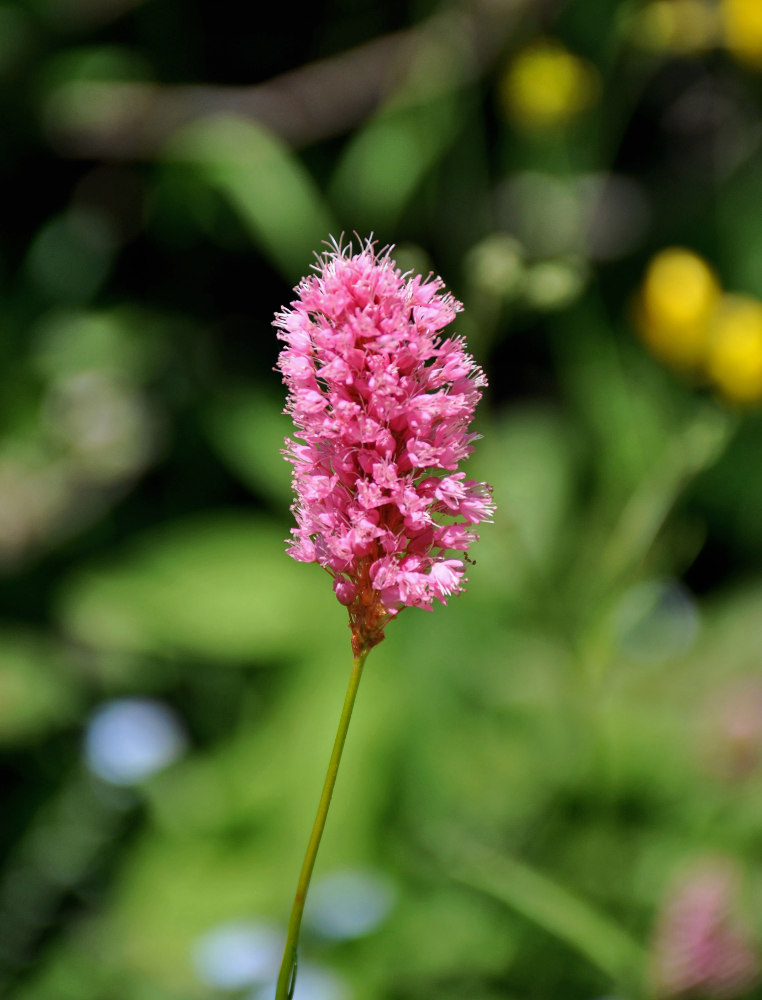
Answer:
[(530, 769)]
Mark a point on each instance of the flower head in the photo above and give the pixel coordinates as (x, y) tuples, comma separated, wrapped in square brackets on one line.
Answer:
[(381, 406), (677, 301), (702, 946), (734, 351), (688, 321), (547, 86), (742, 22)]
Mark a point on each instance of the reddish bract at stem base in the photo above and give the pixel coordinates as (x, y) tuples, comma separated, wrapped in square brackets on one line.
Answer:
[(367, 616)]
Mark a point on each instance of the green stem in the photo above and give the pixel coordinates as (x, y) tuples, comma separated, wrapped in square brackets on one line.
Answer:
[(287, 977)]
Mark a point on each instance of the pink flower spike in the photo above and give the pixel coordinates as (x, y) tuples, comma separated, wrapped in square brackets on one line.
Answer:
[(381, 406)]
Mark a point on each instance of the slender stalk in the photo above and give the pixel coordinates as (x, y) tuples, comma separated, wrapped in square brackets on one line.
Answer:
[(287, 976)]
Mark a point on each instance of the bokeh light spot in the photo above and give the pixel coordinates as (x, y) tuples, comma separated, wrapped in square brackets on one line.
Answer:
[(349, 904), (238, 954), (656, 620), (131, 739)]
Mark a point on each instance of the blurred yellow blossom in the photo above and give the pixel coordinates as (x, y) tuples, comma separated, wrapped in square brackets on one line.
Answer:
[(683, 27), (742, 25), (546, 85), (677, 300), (734, 350)]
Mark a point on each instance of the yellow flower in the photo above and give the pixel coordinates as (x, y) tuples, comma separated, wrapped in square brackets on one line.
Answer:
[(683, 27), (546, 85), (742, 23), (677, 299), (734, 350)]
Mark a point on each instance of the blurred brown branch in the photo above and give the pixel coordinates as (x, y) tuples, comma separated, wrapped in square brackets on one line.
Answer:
[(115, 120)]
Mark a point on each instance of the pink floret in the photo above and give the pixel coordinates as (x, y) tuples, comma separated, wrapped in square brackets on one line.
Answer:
[(381, 407)]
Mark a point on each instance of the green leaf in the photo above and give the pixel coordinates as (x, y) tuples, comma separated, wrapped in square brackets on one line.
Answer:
[(387, 159), (553, 907), (126, 341), (217, 586), (247, 431), (529, 457), (447, 933), (38, 688), (272, 193)]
